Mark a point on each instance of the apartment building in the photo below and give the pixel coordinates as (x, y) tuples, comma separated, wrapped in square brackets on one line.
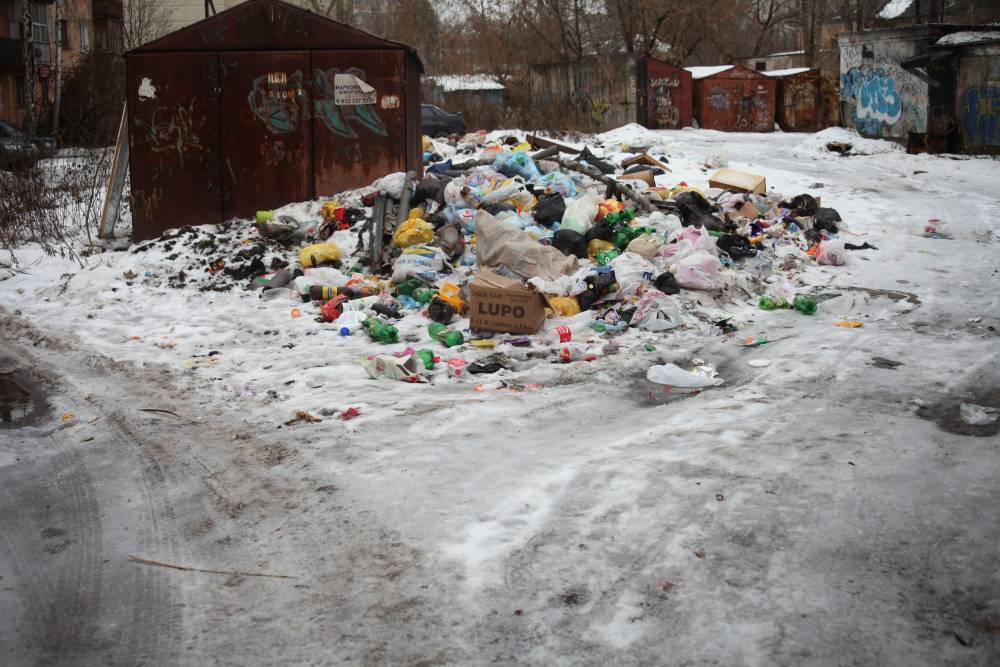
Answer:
[(86, 26)]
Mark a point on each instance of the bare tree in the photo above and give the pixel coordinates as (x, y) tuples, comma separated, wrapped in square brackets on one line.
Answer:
[(145, 20), (339, 10), (28, 47)]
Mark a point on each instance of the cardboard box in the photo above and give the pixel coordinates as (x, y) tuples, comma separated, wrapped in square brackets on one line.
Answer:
[(645, 176), (737, 181), (504, 305), (646, 159)]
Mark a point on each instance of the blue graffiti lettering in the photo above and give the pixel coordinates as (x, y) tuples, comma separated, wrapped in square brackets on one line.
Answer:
[(876, 103), (980, 109)]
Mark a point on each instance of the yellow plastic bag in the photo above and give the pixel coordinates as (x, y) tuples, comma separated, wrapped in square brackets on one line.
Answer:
[(319, 254), (428, 143), (416, 213), (566, 306), (452, 293), (413, 231), (597, 245)]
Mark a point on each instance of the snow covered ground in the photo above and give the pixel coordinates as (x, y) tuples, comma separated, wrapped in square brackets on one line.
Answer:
[(821, 509)]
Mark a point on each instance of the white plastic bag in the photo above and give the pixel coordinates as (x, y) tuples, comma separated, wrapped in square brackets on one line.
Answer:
[(669, 374), (416, 260), (580, 213), (656, 311), (392, 184), (663, 223), (831, 255), (327, 275), (697, 271)]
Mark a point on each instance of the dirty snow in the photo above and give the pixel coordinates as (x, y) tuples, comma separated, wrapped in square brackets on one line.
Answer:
[(805, 511), (969, 37), (453, 82), (787, 72), (894, 9), (816, 144), (705, 71)]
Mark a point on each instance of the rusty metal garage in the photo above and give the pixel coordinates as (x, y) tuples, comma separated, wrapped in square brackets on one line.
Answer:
[(262, 105)]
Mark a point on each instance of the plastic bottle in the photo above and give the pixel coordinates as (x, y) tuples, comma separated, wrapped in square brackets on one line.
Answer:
[(360, 304), (424, 294), (409, 286), (427, 357), (379, 331), (447, 337), (600, 326), (772, 302), (605, 257), (322, 292), (282, 293), (804, 304), (350, 322)]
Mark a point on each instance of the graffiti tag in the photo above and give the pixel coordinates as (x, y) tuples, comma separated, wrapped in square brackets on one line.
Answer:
[(337, 117), (980, 110), (718, 98), (279, 101), (172, 130), (876, 101)]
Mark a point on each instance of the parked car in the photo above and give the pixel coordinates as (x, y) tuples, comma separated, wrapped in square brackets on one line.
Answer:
[(18, 150), (435, 122)]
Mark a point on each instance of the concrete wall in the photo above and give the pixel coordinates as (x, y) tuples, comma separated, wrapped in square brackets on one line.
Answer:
[(977, 104), (879, 98)]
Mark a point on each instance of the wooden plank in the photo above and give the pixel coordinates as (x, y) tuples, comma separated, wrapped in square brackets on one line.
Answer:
[(116, 182)]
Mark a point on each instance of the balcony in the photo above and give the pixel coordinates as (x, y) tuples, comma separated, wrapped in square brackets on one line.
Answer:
[(107, 9), (11, 51)]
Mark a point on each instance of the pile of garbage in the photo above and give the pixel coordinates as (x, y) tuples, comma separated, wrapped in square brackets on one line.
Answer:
[(514, 248)]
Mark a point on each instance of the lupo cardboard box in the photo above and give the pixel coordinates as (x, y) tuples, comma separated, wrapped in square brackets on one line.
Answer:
[(740, 181), (504, 305)]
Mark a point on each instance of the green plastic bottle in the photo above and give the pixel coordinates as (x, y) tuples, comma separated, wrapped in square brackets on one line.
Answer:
[(379, 331), (447, 337), (426, 356), (408, 287), (605, 256), (772, 303), (424, 294), (805, 304)]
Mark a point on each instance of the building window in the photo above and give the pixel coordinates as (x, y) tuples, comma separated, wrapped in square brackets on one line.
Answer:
[(40, 32), (19, 84), (64, 33), (84, 37), (760, 66)]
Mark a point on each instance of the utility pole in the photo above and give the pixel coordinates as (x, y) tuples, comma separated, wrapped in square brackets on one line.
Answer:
[(59, 60), (28, 49)]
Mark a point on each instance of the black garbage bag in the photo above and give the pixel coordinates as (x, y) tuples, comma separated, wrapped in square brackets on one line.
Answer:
[(737, 247), (497, 209), (549, 209), (602, 230), (594, 161), (693, 201), (636, 168), (569, 242), (440, 311), (667, 283), (801, 205), (826, 219), (429, 189), (440, 167), (489, 365)]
